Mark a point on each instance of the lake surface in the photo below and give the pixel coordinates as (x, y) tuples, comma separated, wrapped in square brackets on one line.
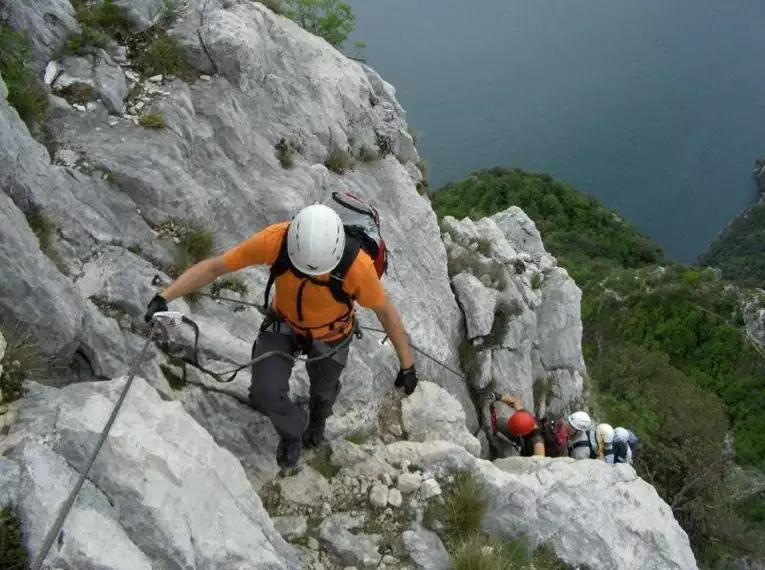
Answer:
[(655, 107)]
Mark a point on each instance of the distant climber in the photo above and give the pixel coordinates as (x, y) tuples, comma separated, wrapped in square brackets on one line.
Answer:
[(319, 267), (604, 439), (521, 427), (625, 445), (579, 443)]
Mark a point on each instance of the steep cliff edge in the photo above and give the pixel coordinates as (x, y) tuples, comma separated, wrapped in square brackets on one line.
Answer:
[(145, 168)]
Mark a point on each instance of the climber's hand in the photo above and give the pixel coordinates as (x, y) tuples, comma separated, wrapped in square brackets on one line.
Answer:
[(407, 379), (156, 305), (497, 396)]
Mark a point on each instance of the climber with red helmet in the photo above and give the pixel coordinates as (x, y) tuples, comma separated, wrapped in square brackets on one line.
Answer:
[(521, 427)]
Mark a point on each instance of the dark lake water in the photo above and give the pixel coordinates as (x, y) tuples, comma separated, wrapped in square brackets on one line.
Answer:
[(655, 107)]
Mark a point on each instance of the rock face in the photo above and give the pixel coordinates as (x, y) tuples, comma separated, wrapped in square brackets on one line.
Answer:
[(165, 493), (248, 139), (557, 501), (115, 185), (522, 311), (431, 413)]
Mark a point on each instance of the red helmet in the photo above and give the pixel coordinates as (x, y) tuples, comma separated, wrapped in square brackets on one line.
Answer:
[(521, 423)]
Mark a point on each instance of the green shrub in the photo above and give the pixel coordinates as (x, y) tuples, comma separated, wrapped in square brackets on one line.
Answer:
[(463, 509), (359, 438), (159, 53), (26, 93), (275, 6), (286, 152), (368, 155), (322, 462), (588, 239), (23, 360), (99, 22), (13, 556), (152, 120), (332, 20), (480, 552), (232, 284), (43, 227), (338, 160), (78, 93)]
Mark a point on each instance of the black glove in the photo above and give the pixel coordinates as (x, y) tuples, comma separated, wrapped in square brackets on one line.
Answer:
[(497, 396), (407, 378), (156, 305)]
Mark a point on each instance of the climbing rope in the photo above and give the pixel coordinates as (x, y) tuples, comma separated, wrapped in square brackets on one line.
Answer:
[(158, 281), (161, 322), (66, 507)]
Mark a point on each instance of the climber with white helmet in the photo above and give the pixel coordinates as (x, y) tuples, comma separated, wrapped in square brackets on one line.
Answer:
[(604, 439), (625, 445), (579, 445), (319, 269)]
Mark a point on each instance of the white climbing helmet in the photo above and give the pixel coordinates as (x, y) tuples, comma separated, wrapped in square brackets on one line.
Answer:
[(316, 240), (621, 434), (605, 433), (580, 420)]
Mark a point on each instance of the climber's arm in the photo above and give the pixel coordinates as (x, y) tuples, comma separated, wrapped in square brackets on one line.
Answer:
[(391, 322), (196, 277)]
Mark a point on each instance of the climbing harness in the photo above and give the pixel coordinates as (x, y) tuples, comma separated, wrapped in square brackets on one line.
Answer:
[(161, 322), (66, 507), (157, 280), (177, 318)]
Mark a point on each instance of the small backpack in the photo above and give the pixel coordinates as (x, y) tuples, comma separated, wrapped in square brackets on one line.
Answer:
[(554, 432), (362, 232)]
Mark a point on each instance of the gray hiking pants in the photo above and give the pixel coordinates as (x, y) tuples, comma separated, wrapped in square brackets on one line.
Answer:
[(270, 386)]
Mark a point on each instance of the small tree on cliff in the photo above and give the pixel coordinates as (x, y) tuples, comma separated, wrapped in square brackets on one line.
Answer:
[(332, 20)]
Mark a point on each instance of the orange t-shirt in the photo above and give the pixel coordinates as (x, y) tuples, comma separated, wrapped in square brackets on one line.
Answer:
[(320, 309)]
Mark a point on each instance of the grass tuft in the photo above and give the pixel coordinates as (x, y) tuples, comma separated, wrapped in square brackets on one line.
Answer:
[(13, 556), (322, 462), (152, 120), (23, 360), (274, 5), (338, 160), (461, 514), (230, 283), (26, 92), (78, 93)]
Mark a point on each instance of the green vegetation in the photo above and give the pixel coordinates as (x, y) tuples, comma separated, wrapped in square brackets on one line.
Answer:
[(459, 521), (588, 239), (286, 152), (338, 160), (99, 22), (234, 284), (739, 251), (23, 360), (152, 120), (158, 53), (322, 462), (43, 227), (274, 5), (79, 93), (332, 20), (175, 381), (665, 346), (461, 514), (359, 438), (26, 93), (12, 553), (368, 155)]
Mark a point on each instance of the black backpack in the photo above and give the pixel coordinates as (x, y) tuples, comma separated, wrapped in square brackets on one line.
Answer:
[(362, 232)]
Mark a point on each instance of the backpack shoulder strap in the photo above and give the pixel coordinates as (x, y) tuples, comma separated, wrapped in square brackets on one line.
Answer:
[(337, 276), (279, 266)]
